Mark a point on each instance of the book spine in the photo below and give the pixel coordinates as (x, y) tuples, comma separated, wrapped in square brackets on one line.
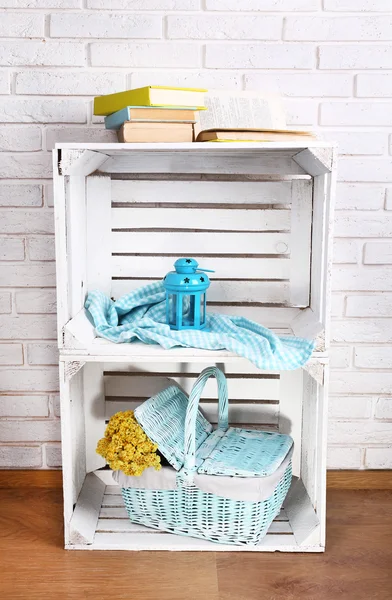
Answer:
[(115, 120)]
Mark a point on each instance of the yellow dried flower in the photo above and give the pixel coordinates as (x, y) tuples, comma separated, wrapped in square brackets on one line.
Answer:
[(126, 447)]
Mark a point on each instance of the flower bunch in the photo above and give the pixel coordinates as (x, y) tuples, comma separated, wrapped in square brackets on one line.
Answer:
[(126, 447)]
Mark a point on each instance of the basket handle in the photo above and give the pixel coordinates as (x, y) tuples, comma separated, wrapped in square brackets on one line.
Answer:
[(191, 412)]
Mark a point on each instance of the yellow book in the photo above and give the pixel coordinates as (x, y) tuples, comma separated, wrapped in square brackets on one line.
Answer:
[(152, 95)]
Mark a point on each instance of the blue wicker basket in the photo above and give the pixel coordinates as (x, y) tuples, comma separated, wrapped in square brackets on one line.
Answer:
[(195, 451)]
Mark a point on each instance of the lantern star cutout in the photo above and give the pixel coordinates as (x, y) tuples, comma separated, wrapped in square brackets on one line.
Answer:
[(201, 278), (186, 280), (188, 260)]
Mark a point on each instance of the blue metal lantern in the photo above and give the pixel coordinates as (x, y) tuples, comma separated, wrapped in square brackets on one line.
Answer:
[(186, 295)]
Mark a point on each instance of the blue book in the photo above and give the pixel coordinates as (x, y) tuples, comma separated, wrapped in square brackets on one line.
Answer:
[(150, 114)]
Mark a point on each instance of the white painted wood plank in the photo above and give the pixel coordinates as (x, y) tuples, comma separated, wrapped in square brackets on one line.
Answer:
[(314, 456), (239, 412), (290, 418), (85, 517), (307, 325), (247, 161), (309, 472), (121, 513), (124, 525), (71, 487), (81, 328), (110, 512), (202, 192), (198, 218), (104, 351), (94, 413), (144, 387), (302, 517), (133, 353), (300, 244), (75, 193), (328, 256), (60, 222), (111, 148), (276, 292), (322, 231), (113, 490), (98, 219), (75, 447), (184, 370), (168, 541), (106, 475), (322, 435), (80, 162), (277, 318), (233, 268), (109, 500), (317, 161), (192, 243)]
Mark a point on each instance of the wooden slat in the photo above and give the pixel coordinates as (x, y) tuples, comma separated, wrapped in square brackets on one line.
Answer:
[(168, 541), (121, 513), (145, 387), (235, 161), (233, 268), (75, 246), (208, 243), (277, 318), (303, 519), (85, 516), (274, 292), (97, 224), (239, 412), (110, 500), (102, 350), (301, 228), (94, 413), (124, 525), (202, 192), (113, 490), (183, 369), (218, 219)]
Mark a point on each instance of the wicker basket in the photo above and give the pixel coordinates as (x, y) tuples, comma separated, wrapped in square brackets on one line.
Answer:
[(203, 453)]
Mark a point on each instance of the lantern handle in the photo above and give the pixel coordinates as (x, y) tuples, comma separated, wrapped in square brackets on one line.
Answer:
[(205, 270)]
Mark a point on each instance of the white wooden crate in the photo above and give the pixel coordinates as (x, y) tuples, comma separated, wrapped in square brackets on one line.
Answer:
[(260, 216), (291, 402)]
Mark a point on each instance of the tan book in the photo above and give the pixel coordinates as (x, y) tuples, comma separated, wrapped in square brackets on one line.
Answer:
[(155, 132), (252, 135)]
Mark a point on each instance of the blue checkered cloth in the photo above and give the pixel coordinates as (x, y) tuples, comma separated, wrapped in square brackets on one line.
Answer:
[(141, 315)]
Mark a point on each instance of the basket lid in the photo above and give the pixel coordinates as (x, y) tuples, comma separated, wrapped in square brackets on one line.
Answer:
[(245, 453), (162, 417)]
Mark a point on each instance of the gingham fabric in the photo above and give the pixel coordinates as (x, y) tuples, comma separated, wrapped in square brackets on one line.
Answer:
[(141, 315)]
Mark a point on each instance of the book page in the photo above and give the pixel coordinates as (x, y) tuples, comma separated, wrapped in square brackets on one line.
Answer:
[(242, 110)]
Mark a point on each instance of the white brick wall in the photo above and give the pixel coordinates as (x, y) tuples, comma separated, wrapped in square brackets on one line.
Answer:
[(332, 62)]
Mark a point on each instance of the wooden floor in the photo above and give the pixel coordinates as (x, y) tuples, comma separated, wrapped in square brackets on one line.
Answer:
[(33, 564)]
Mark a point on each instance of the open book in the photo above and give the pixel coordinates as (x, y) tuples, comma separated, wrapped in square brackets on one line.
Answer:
[(244, 116), (242, 110)]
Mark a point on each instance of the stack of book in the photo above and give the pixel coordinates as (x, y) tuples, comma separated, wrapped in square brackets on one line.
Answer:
[(152, 113)]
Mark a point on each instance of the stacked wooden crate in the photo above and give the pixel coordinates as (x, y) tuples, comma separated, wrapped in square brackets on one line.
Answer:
[(260, 215)]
